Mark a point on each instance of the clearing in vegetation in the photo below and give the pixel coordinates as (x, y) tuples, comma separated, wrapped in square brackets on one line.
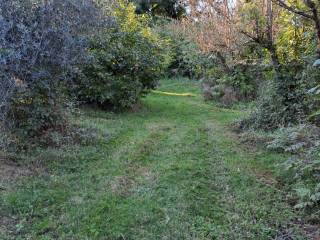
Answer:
[(170, 170)]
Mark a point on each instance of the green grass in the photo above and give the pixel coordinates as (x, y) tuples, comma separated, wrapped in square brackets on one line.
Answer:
[(171, 170)]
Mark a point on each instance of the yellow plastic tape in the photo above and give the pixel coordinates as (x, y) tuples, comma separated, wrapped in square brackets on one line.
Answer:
[(175, 94)]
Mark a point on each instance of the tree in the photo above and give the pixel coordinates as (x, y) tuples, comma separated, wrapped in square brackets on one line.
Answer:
[(228, 30), (209, 24), (310, 11), (168, 8), (42, 44)]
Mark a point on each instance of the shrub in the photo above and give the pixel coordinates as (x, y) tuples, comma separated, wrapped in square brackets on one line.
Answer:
[(35, 111), (246, 79), (187, 59), (41, 45), (314, 94), (295, 139), (128, 59), (6, 88), (286, 100), (240, 84), (302, 170)]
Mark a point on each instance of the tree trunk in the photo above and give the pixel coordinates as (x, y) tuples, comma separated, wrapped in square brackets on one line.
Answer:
[(223, 62), (271, 47), (316, 20)]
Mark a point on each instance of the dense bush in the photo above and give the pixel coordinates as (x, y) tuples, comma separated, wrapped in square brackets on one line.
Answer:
[(246, 79), (42, 43), (187, 59), (285, 101), (241, 83), (128, 59)]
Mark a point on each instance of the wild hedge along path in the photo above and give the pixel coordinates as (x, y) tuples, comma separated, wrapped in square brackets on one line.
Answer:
[(170, 170)]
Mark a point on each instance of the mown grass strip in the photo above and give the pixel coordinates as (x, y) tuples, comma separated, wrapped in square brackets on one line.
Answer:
[(168, 171)]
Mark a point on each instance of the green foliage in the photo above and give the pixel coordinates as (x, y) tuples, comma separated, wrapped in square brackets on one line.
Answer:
[(295, 38), (294, 139), (186, 58), (37, 110), (245, 78), (188, 61), (287, 45), (267, 114), (301, 171), (242, 83), (128, 59), (285, 101), (315, 95), (315, 116), (168, 8), (42, 43)]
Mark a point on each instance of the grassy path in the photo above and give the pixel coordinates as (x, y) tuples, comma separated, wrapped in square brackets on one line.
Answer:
[(169, 171)]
